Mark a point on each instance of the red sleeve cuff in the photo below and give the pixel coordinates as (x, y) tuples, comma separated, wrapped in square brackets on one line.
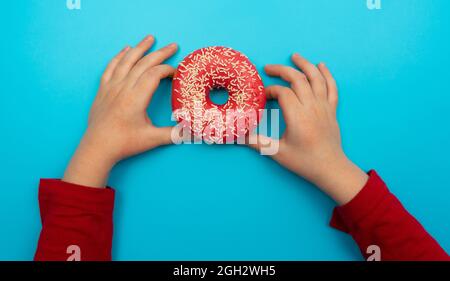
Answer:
[(60, 193), (345, 217)]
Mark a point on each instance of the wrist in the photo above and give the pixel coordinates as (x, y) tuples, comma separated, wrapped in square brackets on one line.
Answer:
[(90, 165), (342, 180)]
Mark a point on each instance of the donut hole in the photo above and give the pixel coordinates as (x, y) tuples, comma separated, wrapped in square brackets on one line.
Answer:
[(218, 96)]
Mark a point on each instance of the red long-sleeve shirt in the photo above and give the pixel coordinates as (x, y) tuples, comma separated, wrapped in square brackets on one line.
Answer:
[(77, 224)]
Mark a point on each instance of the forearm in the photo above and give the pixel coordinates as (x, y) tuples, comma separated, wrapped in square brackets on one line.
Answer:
[(76, 222), (78, 209), (89, 166), (376, 217), (341, 179), (373, 215)]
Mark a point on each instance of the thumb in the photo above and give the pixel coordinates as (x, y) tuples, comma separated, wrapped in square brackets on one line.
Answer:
[(263, 144), (160, 136)]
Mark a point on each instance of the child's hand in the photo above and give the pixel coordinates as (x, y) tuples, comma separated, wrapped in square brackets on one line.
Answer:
[(118, 125), (311, 144)]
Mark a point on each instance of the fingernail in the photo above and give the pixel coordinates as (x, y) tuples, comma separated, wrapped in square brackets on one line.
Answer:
[(125, 49), (296, 55), (148, 38), (171, 45)]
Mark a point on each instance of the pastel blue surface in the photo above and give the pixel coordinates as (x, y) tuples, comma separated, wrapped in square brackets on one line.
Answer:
[(226, 202)]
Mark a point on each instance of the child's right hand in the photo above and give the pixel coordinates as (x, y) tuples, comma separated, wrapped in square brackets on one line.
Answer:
[(311, 145)]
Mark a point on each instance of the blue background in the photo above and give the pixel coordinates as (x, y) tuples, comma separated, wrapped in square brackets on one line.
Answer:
[(392, 67)]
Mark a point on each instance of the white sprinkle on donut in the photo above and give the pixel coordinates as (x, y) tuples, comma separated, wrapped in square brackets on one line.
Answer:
[(217, 67)]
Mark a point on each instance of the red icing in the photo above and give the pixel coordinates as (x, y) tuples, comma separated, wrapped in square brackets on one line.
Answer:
[(217, 67)]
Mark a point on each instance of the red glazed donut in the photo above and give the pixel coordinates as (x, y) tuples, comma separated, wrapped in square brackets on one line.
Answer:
[(217, 67)]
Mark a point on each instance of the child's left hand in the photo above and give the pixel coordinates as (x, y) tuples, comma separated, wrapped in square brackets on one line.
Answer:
[(118, 125)]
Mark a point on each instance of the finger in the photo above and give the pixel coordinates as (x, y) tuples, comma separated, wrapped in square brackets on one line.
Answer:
[(153, 59), (264, 145), (332, 91), (160, 136), (286, 98), (298, 80), (313, 74), (132, 56), (149, 81), (113, 64)]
